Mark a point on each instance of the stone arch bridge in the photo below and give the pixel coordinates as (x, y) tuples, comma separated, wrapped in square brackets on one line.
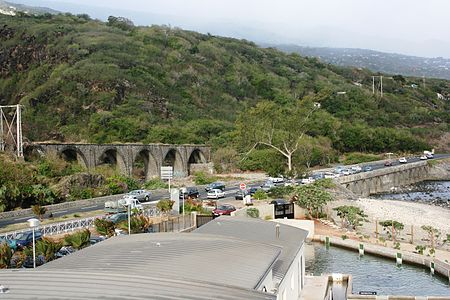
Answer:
[(127, 157), (382, 180)]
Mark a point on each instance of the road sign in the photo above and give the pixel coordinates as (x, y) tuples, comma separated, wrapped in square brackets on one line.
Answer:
[(242, 186), (167, 172)]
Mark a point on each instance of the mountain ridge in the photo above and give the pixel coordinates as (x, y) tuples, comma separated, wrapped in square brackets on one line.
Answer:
[(376, 61)]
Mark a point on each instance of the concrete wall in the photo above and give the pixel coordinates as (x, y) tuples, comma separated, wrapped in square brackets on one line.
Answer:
[(266, 210), (125, 155), (382, 180), (307, 225)]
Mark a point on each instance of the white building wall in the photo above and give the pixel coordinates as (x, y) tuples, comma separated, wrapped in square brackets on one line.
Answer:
[(291, 286)]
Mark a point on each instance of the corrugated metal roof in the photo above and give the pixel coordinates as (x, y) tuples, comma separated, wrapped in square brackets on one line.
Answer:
[(290, 240), (78, 284), (190, 256)]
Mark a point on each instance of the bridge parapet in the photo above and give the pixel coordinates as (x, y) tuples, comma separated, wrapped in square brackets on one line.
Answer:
[(383, 180)]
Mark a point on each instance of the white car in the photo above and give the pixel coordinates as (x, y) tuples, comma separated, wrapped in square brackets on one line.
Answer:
[(402, 160), (356, 169), (307, 180), (276, 179), (423, 157), (215, 194)]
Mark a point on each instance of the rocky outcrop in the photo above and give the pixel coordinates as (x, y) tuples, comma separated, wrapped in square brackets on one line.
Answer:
[(80, 181)]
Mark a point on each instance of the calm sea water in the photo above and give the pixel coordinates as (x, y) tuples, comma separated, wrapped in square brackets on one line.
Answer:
[(431, 192), (371, 273)]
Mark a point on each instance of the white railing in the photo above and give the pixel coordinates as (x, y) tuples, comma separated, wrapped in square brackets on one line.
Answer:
[(68, 226), (57, 228)]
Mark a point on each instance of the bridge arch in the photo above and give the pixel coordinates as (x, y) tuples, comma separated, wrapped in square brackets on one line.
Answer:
[(173, 158), (111, 156), (196, 157), (145, 166), (73, 154), (33, 152)]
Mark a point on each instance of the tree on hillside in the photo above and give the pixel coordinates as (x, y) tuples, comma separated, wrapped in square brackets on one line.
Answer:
[(279, 127)]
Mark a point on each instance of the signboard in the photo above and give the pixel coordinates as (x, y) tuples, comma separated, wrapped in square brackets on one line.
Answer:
[(167, 172), (243, 186)]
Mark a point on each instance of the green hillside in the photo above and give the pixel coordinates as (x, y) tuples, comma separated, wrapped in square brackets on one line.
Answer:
[(85, 80)]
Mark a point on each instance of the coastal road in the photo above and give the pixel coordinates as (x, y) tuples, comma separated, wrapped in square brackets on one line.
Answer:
[(229, 193)]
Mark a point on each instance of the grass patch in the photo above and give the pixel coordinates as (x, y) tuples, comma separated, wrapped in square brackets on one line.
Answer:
[(358, 157)]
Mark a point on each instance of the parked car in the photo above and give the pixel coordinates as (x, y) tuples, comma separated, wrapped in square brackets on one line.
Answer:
[(240, 194), (402, 160), (423, 157), (367, 168), (356, 169), (267, 186), (24, 239), (117, 218), (338, 169), (96, 239), (317, 176), (330, 175), (429, 155), (5, 240), (215, 185), (215, 194), (278, 179), (253, 190), (223, 209), (346, 172), (307, 180), (388, 163), (189, 192), (279, 201), (141, 195), (65, 250)]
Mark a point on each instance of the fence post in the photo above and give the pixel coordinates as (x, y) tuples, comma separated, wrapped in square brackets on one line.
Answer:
[(398, 258), (194, 216), (361, 249), (412, 234)]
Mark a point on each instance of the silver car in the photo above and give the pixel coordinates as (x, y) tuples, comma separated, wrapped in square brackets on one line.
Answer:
[(141, 195)]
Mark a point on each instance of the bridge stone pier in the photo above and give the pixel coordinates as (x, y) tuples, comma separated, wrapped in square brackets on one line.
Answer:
[(382, 180), (126, 157)]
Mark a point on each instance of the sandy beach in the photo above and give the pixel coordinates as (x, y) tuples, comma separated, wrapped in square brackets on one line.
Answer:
[(408, 213)]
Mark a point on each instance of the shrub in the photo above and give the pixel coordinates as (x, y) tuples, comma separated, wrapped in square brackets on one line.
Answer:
[(344, 237), (118, 184), (138, 224), (260, 195), (191, 205), (5, 255), (201, 178), (358, 157), (155, 183), (267, 218), (104, 227), (280, 191), (253, 212), (39, 211), (47, 248), (78, 240), (165, 205)]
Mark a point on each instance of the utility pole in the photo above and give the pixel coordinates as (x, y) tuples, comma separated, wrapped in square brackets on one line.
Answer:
[(381, 86), (6, 129), (373, 84)]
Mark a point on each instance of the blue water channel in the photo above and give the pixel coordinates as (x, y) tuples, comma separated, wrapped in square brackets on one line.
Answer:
[(372, 273)]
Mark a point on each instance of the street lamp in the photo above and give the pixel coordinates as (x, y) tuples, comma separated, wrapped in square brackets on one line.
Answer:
[(33, 224), (128, 203)]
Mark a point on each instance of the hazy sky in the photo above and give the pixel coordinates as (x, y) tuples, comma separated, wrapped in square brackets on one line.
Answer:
[(415, 27)]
